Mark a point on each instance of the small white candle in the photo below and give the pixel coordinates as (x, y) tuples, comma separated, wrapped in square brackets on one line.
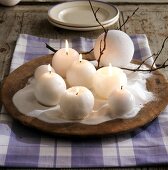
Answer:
[(49, 88), (77, 102), (63, 59), (121, 101), (81, 73), (108, 79), (41, 70)]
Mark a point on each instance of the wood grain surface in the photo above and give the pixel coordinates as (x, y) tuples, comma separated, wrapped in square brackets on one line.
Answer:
[(19, 78), (114, 1)]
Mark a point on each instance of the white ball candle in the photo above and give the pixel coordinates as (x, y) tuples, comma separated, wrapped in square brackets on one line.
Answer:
[(41, 70), (108, 79), (49, 88), (121, 101), (119, 49), (81, 73), (76, 103), (63, 59)]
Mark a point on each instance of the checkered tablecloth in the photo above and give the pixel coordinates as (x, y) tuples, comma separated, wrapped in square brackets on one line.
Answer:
[(21, 146)]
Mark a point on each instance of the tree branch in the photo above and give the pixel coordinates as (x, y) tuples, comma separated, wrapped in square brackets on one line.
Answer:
[(95, 15), (128, 17), (159, 52), (87, 52), (50, 48), (103, 47), (145, 60), (151, 69)]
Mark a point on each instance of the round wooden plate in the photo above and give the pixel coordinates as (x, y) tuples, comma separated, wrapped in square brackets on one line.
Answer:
[(18, 78)]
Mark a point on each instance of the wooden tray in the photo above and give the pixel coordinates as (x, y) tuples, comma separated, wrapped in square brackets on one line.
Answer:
[(17, 80)]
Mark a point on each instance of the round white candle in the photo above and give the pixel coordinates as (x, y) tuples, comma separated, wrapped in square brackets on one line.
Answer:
[(81, 73), (77, 102), (49, 88), (63, 59), (121, 101), (41, 70), (108, 79), (119, 49)]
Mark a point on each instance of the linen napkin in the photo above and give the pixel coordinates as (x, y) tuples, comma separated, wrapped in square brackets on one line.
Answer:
[(21, 146)]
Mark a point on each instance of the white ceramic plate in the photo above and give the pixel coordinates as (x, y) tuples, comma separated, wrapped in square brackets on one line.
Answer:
[(79, 14), (80, 28)]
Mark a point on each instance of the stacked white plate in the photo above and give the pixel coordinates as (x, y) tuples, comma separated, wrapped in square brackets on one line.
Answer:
[(77, 15)]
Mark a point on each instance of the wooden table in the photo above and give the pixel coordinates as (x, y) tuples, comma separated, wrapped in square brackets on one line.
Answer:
[(31, 18)]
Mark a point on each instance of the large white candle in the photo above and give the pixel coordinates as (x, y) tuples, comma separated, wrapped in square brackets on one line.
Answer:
[(119, 49), (77, 102), (63, 59), (121, 101), (108, 79), (81, 73), (49, 88)]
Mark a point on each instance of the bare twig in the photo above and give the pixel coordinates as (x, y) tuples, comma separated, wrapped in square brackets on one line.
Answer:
[(87, 52), (158, 54), (164, 65), (145, 61), (98, 66), (50, 48), (53, 50), (95, 15), (165, 62), (102, 49), (128, 17), (151, 69)]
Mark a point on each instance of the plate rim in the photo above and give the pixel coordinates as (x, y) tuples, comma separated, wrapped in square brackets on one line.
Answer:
[(81, 28), (116, 17), (75, 129)]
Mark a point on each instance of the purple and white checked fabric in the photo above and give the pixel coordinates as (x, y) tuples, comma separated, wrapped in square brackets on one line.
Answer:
[(21, 146)]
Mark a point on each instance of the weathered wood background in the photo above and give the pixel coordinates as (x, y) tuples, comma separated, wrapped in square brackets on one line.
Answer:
[(150, 19), (32, 19), (118, 1)]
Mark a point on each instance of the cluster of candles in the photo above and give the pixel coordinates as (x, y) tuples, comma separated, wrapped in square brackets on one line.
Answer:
[(108, 83)]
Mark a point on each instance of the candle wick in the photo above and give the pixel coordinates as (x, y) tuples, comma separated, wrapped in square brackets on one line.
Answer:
[(50, 72), (121, 87), (77, 93), (66, 52), (80, 61)]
